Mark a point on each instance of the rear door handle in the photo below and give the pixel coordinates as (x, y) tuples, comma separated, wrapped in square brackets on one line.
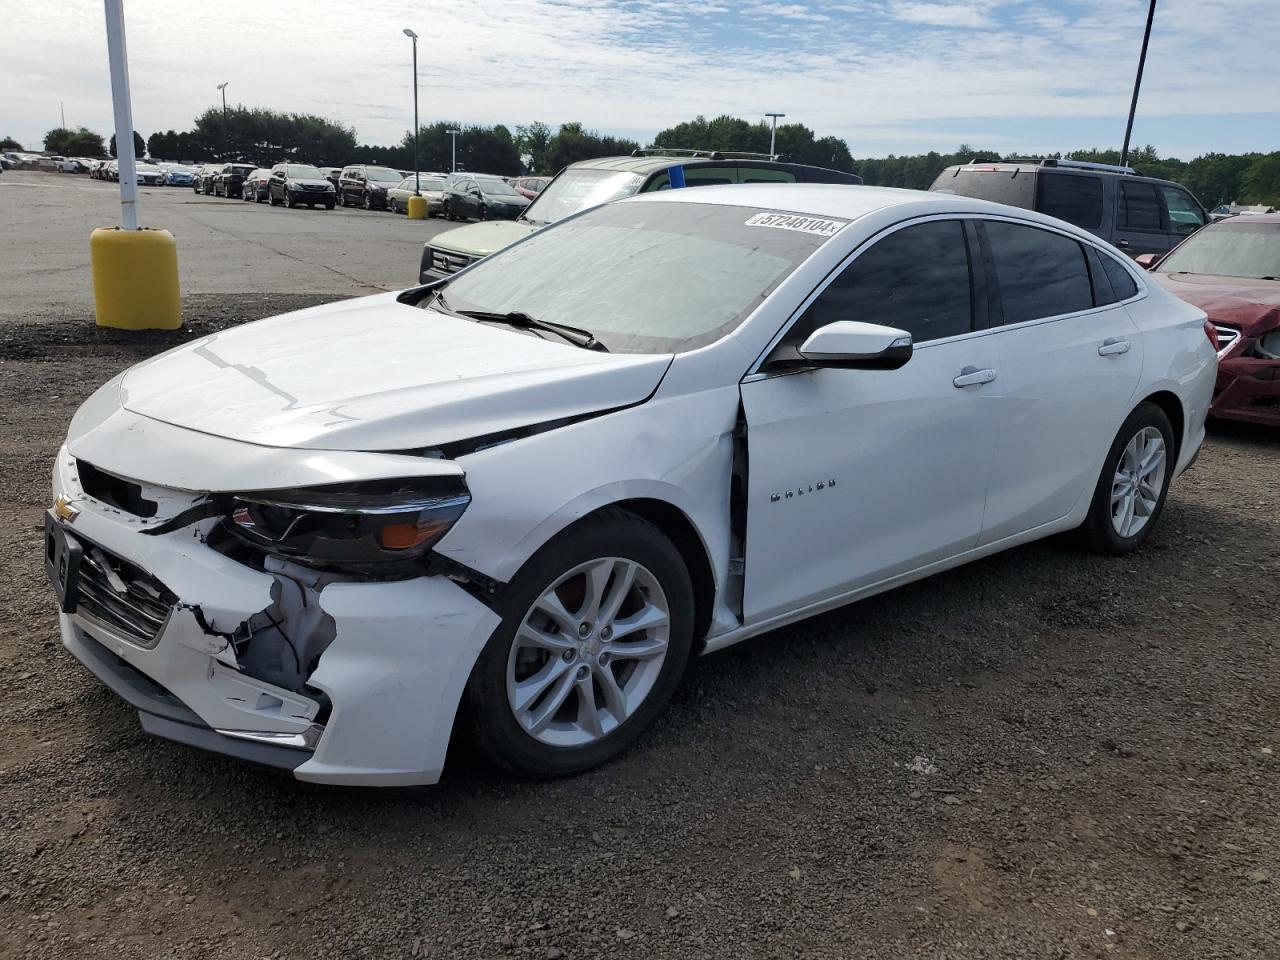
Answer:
[(972, 377), (1113, 346), (1122, 243)]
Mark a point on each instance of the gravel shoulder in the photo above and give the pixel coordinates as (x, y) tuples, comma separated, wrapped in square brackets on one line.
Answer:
[(1043, 754)]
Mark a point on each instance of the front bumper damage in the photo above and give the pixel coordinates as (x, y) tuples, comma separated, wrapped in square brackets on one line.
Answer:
[(385, 662)]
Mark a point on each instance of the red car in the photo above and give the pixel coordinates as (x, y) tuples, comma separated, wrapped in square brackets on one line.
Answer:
[(1231, 271)]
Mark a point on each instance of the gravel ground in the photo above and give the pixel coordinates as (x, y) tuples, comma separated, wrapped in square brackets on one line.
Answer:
[(1044, 754)]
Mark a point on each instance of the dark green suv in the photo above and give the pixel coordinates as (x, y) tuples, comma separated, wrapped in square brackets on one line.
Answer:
[(592, 182)]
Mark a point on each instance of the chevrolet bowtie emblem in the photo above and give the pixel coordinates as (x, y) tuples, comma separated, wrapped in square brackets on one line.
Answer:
[(64, 510)]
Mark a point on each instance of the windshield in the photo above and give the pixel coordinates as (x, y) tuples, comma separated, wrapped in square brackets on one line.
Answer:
[(301, 171), (576, 190), (1231, 249), (497, 188), (643, 277), (241, 169), (383, 175)]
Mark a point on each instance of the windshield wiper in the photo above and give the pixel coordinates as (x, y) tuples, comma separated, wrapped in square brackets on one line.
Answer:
[(575, 335)]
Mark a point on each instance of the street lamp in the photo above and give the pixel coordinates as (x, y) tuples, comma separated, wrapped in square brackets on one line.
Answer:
[(454, 135), (773, 134), (414, 37), (223, 88)]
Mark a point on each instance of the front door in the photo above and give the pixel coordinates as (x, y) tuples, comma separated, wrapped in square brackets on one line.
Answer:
[(857, 476), (1141, 226)]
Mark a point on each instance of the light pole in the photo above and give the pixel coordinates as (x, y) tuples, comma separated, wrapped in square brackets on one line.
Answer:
[(773, 134), (1137, 83), (454, 165), (223, 88), (414, 37)]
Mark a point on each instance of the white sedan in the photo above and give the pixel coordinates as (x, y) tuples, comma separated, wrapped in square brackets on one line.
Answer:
[(523, 498)]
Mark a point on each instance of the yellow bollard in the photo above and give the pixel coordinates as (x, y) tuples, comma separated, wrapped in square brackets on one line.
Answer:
[(135, 279), (417, 208)]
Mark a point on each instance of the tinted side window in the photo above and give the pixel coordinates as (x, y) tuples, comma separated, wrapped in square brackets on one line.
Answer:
[(1185, 217), (1071, 197), (1041, 274), (1122, 281), (916, 279), (706, 176), (1140, 207)]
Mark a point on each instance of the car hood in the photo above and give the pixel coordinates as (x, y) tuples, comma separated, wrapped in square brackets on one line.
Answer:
[(1251, 305), (309, 182), (376, 374), (481, 239), (511, 200)]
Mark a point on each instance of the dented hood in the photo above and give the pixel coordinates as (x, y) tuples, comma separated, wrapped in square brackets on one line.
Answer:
[(375, 374), (1251, 305)]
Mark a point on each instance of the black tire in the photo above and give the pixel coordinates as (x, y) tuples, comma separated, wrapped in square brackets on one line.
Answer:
[(289, 201), (368, 202), (483, 213), (611, 533), (1098, 532), (446, 211)]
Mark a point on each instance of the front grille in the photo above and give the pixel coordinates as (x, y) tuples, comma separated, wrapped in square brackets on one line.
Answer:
[(443, 262), (121, 596), (1226, 336), (114, 491), (316, 188)]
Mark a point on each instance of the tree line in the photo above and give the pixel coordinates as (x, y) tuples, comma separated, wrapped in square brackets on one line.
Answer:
[(261, 136)]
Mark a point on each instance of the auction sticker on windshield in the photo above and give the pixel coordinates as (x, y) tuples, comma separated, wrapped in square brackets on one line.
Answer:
[(791, 221)]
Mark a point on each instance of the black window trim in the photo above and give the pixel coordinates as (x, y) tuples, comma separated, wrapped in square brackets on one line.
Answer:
[(978, 284), (993, 280)]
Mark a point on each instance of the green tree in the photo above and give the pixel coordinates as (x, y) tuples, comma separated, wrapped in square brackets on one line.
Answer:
[(139, 145), (534, 143), (164, 146), (1261, 182), (1215, 177), (572, 144), (81, 142), (256, 135), (8, 143)]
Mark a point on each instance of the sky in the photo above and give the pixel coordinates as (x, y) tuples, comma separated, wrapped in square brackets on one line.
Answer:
[(887, 76)]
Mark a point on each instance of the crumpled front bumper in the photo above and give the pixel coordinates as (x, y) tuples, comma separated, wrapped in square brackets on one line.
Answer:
[(1248, 388), (392, 677)]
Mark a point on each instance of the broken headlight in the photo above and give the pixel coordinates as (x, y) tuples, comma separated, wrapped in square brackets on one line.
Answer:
[(373, 522)]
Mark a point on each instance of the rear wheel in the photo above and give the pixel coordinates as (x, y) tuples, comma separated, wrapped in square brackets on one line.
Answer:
[(1134, 484), (595, 635), (289, 201), (368, 202)]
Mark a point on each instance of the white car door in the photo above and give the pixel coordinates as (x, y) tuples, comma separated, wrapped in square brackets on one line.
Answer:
[(1070, 360), (856, 476)]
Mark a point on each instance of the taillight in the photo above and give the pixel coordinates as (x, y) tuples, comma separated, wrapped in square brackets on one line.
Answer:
[(1211, 332)]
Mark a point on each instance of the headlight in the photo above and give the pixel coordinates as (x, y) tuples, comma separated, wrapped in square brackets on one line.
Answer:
[(374, 522)]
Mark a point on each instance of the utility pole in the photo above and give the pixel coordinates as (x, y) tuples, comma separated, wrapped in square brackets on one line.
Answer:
[(773, 134), (416, 179), (118, 59), (1137, 84), (63, 111), (453, 167), (223, 88)]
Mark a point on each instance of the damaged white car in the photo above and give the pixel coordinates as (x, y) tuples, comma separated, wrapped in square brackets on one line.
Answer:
[(523, 498)]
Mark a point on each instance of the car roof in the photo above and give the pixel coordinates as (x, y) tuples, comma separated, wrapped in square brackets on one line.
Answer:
[(1036, 166), (847, 201), (1249, 218)]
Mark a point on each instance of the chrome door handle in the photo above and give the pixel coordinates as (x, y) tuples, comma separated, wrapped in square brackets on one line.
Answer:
[(972, 377), (1113, 346), (1122, 243)]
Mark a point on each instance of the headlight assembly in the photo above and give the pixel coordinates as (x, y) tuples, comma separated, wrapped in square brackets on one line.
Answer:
[(353, 525)]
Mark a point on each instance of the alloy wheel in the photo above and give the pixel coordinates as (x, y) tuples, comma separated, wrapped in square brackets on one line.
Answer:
[(588, 652), (1138, 482)]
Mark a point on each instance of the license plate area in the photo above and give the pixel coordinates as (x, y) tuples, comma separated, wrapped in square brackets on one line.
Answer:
[(62, 555)]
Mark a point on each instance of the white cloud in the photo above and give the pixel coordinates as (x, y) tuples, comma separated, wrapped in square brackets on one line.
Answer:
[(641, 65)]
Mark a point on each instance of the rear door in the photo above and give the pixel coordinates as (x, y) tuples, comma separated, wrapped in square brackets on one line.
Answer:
[(1070, 359), (1142, 225), (1074, 197)]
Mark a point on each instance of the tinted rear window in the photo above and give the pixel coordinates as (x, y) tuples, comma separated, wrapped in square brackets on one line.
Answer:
[(1122, 281), (1140, 207), (1041, 274), (999, 186), (1071, 197)]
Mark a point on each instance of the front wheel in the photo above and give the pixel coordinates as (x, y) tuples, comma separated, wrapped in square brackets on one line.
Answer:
[(1134, 484), (595, 634)]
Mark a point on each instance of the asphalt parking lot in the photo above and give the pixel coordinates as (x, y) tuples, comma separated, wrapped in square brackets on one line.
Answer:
[(1043, 754), (224, 246)]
